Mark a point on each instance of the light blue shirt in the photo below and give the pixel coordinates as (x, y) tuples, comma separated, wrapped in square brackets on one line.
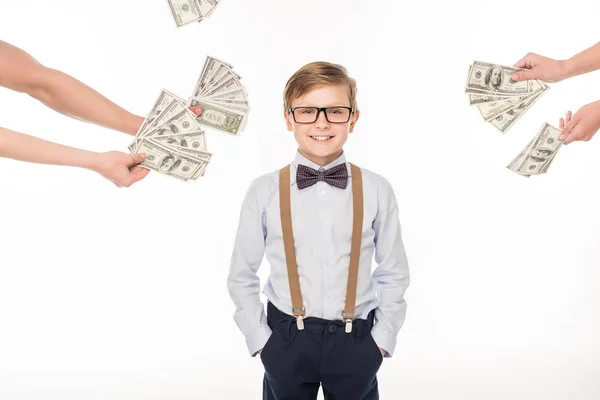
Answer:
[(322, 227)]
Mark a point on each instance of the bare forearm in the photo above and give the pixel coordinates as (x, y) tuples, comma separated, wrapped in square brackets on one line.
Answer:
[(584, 62), (73, 98), (22, 147), (21, 72)]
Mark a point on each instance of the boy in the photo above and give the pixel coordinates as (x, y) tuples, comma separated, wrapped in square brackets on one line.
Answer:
[(320, 220)]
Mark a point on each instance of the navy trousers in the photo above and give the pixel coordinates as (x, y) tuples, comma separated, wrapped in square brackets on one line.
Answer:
[(298, 362)]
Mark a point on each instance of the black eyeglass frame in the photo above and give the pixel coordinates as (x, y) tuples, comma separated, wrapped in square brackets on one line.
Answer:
[(324, 110)]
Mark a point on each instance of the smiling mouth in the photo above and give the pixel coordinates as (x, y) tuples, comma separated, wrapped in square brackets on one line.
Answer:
[(322, 138)]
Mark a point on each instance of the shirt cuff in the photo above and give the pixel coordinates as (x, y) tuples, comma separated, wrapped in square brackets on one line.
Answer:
[(257, 339), (384, 339)]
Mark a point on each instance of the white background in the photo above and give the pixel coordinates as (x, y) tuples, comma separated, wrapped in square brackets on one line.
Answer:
[(110, 293)]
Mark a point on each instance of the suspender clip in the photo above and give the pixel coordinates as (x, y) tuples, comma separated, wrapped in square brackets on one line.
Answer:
[(348, 325), (348, 318), (300, 322)]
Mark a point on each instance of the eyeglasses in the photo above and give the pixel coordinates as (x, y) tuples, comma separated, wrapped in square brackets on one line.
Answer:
[(310, 115)]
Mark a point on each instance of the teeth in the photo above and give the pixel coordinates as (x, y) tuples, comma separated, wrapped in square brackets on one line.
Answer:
[(321, 137)]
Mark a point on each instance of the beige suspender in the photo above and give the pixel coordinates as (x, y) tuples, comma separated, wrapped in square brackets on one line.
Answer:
[(357, 221), (290, 253), (285, 207)]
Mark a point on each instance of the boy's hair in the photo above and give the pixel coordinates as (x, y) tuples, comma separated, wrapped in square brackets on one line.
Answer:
[(318, 74)]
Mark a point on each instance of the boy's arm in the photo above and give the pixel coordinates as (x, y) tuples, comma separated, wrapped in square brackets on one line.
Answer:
[(391, 274), (242, 282), (21, 72), (119, 168)]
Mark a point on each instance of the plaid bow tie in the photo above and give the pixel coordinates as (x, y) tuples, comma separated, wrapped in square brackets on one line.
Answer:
[(336, 176)]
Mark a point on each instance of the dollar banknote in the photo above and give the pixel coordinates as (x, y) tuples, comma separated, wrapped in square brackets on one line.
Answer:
[(492, 110), (221, 118), (536, 157), (191, 140), (495, 79), (186, 11), (500, 100), (210, 68), (169, 161), (505, 121)]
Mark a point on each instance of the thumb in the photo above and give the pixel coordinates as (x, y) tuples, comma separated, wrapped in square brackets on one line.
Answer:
[(575, 135), (138, 173), (524, 75), (567, 129), (138, 158)]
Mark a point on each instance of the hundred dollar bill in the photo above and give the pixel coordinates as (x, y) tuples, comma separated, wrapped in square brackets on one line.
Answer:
[(500, 96), (200, 155), (162, 102), (217, 81), (185, 11), (168, 161), (535, 158), (207, 7), (218, 70), (230, 85), (164, 99), (475, 99), (219, 118), (174, 108), (237, 94), (482, 97), (242, 108), (211, 65), (547, 166), (191, 140), (489, 111), (232, 102), (496, 79), (182, 122), (200, 172), (505, 121)]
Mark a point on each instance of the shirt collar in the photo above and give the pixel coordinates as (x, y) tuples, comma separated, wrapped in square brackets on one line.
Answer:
[(300, 159)]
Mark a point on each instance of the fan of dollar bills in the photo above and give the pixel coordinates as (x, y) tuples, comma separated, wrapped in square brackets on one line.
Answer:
[(172, 135), (186, 11), (536, 157), (501, 101)]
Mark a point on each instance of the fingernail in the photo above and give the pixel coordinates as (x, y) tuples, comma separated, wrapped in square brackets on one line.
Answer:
[(561, 137), (515, 76)]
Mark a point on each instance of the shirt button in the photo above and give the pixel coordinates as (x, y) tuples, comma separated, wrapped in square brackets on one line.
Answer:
[(325, 226), (326, 262), (332, 328), (323, 193)]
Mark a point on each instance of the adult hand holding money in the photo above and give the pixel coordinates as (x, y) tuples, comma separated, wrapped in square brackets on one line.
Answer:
[(586, 122), (500, 99), (540, 67), (120, 168)]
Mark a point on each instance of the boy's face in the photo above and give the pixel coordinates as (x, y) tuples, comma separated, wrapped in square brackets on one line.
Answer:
[(310, 136)]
